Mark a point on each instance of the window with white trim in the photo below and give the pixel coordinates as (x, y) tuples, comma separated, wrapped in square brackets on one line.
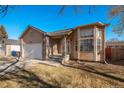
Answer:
[(99, 32), (86, 45), (86, 33)]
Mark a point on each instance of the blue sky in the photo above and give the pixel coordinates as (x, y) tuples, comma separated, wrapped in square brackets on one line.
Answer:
[(47, 19)]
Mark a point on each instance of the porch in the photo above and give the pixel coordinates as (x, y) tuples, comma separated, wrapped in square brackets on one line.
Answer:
[(59, 45)]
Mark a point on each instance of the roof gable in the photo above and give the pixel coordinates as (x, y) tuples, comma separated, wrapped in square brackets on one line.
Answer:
[(61, 32), (29, 29), (92, 24)]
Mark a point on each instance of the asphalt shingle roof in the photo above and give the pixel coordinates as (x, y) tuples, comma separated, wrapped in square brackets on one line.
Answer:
[(60, 32), (12, 42)]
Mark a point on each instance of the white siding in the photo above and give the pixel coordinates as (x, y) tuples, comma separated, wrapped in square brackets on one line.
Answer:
[(10, 48), (15, 48)]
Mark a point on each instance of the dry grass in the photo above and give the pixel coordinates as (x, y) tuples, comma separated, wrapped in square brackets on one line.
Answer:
[(89, 75)]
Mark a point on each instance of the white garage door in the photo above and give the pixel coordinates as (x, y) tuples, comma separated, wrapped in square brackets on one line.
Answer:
[(33, 51), (15, 47)]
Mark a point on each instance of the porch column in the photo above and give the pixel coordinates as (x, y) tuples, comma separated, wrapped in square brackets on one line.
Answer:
[(78, 42), (95, 43), (52, 47), (65, 50), (47, 47), (22, 48)]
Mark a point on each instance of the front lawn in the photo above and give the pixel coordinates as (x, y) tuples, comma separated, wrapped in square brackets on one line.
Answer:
[(85, 75)]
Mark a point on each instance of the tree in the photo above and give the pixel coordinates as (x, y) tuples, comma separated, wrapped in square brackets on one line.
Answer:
[(3, 34), (113, 40), (3, 10), (77, 8), (117, 12)]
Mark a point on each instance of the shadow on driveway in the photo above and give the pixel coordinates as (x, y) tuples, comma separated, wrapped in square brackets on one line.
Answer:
[(23, 77)]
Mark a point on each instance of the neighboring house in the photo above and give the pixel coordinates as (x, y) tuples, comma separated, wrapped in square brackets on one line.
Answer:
[(12, 45), (7, 46), (115, 44), (115, 50), (85, 42)]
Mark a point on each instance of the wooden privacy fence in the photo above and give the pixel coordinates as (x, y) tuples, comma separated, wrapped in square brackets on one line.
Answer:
[(115, 54)]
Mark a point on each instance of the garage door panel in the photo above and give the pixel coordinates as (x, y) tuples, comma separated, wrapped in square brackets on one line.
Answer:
[(33, 51)]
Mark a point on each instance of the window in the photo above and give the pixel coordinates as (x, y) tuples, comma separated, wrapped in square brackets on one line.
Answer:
[(86, 45), (99, 32), (99, 45), (86, 33)]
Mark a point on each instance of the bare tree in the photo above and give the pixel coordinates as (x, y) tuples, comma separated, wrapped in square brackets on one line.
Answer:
[(77, 8), (3, 10), (3, 34), (117, 12), (113, 40)]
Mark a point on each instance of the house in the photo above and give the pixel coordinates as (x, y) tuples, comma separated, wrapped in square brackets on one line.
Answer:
[(85, 42), (12, 45)]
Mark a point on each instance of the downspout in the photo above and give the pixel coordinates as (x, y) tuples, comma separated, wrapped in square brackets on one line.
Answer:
[(104, 59), (22, 48)]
